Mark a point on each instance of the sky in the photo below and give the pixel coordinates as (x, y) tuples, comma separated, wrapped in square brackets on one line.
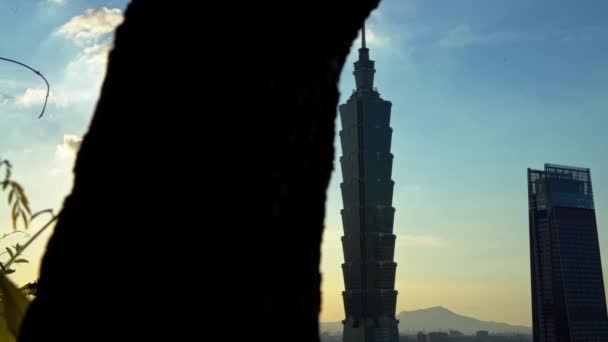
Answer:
[(68, 42), (481, 90)]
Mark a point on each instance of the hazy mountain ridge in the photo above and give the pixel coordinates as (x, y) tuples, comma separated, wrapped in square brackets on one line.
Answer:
[(440, 319)]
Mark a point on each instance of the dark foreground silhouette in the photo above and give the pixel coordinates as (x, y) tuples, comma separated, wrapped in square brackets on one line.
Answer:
[(199, 190)]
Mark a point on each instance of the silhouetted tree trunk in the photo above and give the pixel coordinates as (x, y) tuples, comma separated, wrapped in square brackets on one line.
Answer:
[(199, 192)]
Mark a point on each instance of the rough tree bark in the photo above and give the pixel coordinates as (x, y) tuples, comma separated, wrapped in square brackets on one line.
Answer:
[(201, 182)]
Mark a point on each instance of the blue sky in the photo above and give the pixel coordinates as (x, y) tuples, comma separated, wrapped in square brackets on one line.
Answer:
[(481, 90)]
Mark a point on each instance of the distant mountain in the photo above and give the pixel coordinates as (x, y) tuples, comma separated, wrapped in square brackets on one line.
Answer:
[(440, 319)]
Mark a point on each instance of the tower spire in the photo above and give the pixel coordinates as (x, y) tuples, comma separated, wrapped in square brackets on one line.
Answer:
[(363, 36), (364, 67)]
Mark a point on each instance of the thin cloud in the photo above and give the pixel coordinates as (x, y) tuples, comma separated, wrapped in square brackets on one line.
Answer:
[(458, 37), (91, 26), (373, 38), (35, 97), (70, 146), (90, 31), (57, 2), (3, 99), (87, 70), (463, 36)]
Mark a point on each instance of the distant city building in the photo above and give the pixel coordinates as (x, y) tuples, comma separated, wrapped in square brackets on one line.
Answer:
[(568, 300), (438, 336), (482, 336), (455, 333), (482, 333), (420, 337), (367, 218)]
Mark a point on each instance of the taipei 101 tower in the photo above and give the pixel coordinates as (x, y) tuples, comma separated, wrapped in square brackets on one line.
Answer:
[(367, 218)]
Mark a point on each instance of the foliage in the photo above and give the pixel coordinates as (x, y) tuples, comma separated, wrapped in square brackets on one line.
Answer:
[(13, 300)]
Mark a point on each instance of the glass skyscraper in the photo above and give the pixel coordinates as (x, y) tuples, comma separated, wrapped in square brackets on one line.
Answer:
[(568, 300), (367, 194)]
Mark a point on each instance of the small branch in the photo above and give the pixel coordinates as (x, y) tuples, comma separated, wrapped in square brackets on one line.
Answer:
[(14, 232), (8, 264), (48, 87)]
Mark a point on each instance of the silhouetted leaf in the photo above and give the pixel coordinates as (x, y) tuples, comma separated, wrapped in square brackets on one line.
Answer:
[(25, 222), (22, 197), (15, 213), (10, 196), (21, 261), (10, 252), (26, 205), (15, 304)]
